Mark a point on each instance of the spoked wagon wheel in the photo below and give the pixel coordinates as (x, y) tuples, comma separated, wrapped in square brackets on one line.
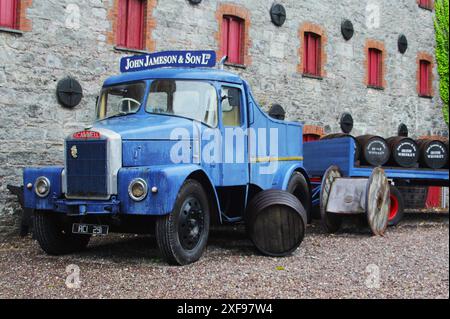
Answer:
[(330, 221), (377, 201)]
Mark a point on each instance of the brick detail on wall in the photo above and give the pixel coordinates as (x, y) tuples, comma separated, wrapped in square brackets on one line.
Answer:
[(240, 12), (23, 23), (379, 45), (427, 57), (317, 29), (149, 24), (430, 5), (313, 130)]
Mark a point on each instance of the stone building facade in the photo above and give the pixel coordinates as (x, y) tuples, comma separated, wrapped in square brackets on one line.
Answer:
[(55, 39)]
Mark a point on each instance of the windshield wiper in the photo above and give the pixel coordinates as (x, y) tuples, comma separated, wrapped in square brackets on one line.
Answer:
[(116, 115)]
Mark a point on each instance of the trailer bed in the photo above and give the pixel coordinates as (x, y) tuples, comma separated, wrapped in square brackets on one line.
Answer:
[(320, 155)]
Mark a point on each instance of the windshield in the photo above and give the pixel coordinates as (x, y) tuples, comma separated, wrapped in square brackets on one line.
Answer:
[(120, 100), (192, 99)]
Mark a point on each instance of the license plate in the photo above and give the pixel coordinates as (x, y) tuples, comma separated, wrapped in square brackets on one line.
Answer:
[(90, 229)]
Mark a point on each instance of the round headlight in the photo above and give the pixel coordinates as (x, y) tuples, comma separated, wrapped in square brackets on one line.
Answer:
[(137, 189), (42, 186)]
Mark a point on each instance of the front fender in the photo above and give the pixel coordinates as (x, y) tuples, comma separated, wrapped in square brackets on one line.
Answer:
[(168, 181), (30, 174)]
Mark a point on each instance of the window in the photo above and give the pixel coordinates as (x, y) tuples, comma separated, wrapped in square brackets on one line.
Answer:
[(130, 32), (311, 54), (232, 39), (425, 78), (375, 68), (426, 4), (192, 99), (120, 100), (231, 106), (8, 14), (312, 50)]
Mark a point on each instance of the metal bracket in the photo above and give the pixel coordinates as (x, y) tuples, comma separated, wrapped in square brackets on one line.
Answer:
[(222, 62)]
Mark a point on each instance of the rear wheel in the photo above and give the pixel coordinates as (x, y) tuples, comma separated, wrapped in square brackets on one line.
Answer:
[(55, 237), (396, 209), (182, 235), (330, 221), (298, 186)]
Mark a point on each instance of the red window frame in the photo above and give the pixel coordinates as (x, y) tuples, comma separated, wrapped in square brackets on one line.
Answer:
[(426, 4), (375, 66), (425, 78), (233, 38), (130, 24), (8, 13), (312, 54)]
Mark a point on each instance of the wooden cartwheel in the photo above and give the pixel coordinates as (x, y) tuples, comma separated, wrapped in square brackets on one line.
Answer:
[(350, 195)]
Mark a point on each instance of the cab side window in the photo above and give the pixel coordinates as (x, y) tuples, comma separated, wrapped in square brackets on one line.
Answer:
[(231, 106)]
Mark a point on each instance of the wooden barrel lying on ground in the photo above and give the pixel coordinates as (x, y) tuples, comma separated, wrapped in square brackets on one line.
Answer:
[(374, 150), (404, 151), (339, 135), (433, 153), (276, 222)]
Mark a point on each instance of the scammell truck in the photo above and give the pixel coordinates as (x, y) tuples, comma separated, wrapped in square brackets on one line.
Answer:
[(172, 151)]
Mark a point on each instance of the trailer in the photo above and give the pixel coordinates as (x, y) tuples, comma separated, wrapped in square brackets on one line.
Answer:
[(339, 153)]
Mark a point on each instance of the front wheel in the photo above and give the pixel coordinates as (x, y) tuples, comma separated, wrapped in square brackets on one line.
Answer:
[(182, 235), (55, 237)]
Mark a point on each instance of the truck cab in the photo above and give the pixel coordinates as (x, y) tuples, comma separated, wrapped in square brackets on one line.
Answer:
[(172, 150)]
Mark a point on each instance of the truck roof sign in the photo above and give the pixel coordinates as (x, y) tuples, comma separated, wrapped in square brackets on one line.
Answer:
[(189, 59)]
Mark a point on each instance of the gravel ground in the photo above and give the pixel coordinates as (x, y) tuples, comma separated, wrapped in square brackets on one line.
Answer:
[(412, 261)]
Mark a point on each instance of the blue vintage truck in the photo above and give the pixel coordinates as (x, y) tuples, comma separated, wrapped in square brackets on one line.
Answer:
[(173, 150)]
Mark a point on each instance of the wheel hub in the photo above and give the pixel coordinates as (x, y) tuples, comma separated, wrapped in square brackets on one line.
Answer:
[(393, 209), (191, 222)]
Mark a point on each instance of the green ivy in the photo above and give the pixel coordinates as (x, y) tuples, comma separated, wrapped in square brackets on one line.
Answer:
[(441, 25)]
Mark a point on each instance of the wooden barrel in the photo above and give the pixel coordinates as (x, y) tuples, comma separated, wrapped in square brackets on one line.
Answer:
[(433, 153), (340, 135), (276, 222), (374, 150), (446, 145), (404, 151)]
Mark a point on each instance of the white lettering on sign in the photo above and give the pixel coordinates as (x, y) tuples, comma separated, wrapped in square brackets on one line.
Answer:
[(170, 59)]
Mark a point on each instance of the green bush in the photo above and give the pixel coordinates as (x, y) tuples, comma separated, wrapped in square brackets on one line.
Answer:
[(441, 24)]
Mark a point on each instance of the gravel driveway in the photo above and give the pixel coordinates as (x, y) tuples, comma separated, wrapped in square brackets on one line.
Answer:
[(411, 261)]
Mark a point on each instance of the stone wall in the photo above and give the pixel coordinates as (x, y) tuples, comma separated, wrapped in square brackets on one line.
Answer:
[(74, 38)]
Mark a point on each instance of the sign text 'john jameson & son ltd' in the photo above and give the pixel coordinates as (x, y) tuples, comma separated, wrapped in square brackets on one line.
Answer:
[(188, 59)]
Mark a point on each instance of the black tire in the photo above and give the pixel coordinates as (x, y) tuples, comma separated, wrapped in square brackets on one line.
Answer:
[(191, 202), (331, 222), (397, 208), (55, 237), (298, 186)]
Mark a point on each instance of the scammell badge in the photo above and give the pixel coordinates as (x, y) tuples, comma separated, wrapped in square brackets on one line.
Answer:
[(74, 151)]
